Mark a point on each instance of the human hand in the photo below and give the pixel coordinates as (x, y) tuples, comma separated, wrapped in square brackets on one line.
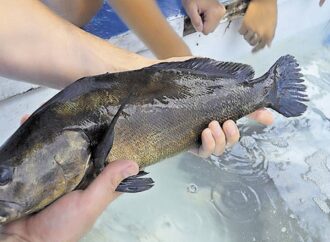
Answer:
[(205, 15), (215, 139), (321, 2), (74, 214), (259, 23)]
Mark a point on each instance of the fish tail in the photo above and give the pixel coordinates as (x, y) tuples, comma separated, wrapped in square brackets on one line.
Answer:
[(288, 92)]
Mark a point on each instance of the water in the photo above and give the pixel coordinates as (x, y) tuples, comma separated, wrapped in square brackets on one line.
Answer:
[(274, 185)]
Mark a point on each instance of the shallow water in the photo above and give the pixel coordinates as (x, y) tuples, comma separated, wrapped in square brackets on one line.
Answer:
[(274, 185)]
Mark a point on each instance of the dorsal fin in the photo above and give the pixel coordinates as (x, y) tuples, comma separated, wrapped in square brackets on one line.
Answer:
[(207, 66)]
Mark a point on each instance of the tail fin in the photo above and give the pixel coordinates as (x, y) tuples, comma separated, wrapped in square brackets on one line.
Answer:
[(288, 92)]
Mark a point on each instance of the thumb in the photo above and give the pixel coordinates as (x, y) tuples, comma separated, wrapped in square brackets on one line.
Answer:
[(102, 190), (192, 11)]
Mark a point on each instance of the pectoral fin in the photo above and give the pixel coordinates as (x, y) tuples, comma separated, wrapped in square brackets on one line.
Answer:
[(135, 183), (101, 151), (104, 145)]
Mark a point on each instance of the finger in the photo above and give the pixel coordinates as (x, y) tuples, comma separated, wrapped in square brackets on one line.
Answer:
[(208, 144), (254, 39), (321, 2), (262, 116), (24, 118), (259, 46), (102, 190), (243, 29), (268, 37), (192, 11), (219, 138), (248, 36), (264, 39), (231, 132), (212, 18)]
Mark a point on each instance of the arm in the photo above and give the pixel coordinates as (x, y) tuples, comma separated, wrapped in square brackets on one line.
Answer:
[(78, 12), (146, 20), (40, 47)]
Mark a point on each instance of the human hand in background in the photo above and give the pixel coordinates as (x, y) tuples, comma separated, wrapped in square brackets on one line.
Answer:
[(205, 15), (259, 23), (321, 2)]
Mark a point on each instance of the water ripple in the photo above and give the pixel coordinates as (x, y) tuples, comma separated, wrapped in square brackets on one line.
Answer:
[(245, 159), (236, 201), (319, 173)]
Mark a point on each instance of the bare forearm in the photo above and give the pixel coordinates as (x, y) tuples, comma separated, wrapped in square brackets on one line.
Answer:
[(146, 20), (78, 12), (40, 47)]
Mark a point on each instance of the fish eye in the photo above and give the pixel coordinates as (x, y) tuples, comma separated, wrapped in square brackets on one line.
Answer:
[(6, 175)]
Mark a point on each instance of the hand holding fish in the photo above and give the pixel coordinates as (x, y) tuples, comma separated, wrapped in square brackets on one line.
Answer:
[(215, 139), (145, 115), (73, 215), (259, 23), (205, 15)]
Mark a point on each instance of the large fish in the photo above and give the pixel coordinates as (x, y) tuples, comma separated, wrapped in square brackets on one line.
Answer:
[(145, 115)]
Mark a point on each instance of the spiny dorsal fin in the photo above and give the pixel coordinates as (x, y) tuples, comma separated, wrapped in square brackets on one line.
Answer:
[(207, 66)]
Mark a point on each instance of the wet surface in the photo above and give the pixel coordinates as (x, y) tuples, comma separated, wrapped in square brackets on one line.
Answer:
[(274, 185)]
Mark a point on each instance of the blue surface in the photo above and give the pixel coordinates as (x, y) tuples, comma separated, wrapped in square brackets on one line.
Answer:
[(327, 40), (107, 24)]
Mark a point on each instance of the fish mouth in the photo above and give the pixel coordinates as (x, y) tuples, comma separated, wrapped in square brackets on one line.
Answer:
[(9, 211)]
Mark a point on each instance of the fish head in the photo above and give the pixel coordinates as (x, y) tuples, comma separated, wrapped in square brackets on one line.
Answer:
[(33, 175), (27, 188)]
